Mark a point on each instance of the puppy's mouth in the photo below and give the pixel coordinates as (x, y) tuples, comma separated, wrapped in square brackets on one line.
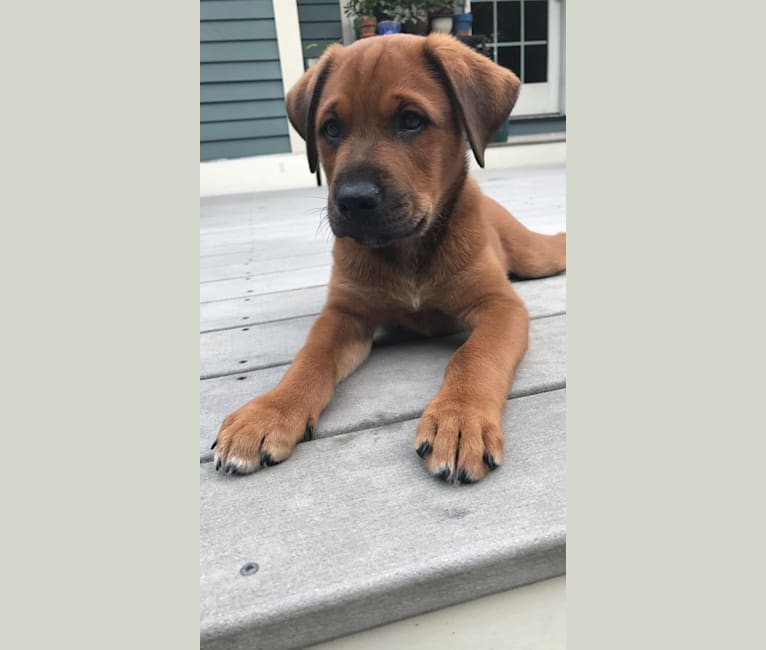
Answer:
[(374, 240), (372, 237)]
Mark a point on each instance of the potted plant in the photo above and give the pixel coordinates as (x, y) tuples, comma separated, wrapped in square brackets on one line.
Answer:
[(441, 15), (462, 24), (463, 19), (389, 17), (414, 17), (363, 12)]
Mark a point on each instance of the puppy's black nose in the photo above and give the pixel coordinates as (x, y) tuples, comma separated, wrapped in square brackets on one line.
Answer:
[(358, 199)]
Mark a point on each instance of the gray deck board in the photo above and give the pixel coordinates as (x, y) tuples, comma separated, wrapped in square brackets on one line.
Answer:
[(265, 283), (280, 241), (258, 265), (352, 532), (541, 297), (395, 383), (223, 352), (248, 250), (242, 312)]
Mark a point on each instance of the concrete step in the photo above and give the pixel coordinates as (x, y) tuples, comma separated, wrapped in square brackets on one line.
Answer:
[(352, 532)]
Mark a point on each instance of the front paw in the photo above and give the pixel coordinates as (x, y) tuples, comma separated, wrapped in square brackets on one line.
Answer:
[(263, 432), (461, 442)]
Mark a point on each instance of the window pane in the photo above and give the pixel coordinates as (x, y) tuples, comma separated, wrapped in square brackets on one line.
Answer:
[(508, 21), (510, 57), (482, 19), (535, 63), (536, 20)]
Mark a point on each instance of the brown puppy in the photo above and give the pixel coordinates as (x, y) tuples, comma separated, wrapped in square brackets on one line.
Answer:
[(418, 245)]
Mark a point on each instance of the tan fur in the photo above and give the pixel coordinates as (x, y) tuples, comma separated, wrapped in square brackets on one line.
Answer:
[(453, 273)]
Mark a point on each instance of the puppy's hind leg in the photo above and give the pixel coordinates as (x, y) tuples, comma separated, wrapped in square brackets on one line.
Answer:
[(529, 254)]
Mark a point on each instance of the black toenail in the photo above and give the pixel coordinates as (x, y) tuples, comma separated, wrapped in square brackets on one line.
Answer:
[(267, 460), (218, 465), (444, 474), (309, 433), (249, 569), (214, 444), (423, 449), (463, 477), (489, 460)]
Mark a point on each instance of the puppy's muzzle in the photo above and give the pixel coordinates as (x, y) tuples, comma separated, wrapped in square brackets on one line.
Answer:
[(363, 210)]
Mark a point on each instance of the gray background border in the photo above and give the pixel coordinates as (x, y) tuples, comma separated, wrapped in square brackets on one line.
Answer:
[(100, 343)]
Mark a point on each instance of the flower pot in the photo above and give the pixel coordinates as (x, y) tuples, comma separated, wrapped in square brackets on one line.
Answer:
[(461, 24), (420, 28), (441, 24), (367, 27), (389, 27)]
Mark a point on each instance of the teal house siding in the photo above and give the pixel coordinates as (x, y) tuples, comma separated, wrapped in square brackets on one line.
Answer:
[(242, 106), (320, 26)]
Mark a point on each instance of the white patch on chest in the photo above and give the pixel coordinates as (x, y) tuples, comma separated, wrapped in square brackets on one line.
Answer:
[(413, 296)]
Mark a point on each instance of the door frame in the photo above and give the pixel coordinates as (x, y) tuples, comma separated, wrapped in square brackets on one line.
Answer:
[(544, 98)]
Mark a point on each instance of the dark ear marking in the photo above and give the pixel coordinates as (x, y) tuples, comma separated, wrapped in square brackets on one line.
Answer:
[(302, 101), (481, 92), (311, 145), (441, 74)]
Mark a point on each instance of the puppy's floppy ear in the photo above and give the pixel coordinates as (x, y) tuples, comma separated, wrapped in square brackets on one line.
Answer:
[(302, 100), (482, 92)]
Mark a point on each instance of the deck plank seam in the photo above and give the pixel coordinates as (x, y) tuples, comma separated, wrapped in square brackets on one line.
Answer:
[(297, 316), (325, 284), (265, 293), (207, 457), (287, 363), (259, 322), (262, 273)]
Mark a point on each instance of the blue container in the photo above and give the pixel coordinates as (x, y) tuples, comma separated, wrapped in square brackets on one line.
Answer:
[(461, 24), (389, 27)]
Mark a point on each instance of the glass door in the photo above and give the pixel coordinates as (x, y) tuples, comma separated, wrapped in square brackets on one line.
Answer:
[(525, 36)]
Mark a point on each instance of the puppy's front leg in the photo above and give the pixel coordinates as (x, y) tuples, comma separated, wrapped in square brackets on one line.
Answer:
[(460, 434), (265, 430)]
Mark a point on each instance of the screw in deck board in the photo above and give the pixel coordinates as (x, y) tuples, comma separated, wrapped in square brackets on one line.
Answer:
[(249, 569)]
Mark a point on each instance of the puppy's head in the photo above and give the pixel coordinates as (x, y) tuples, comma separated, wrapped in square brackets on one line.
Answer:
[(389, 117)]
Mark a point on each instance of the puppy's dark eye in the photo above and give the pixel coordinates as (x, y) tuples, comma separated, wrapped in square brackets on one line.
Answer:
[(331, 129), (411, 121)]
